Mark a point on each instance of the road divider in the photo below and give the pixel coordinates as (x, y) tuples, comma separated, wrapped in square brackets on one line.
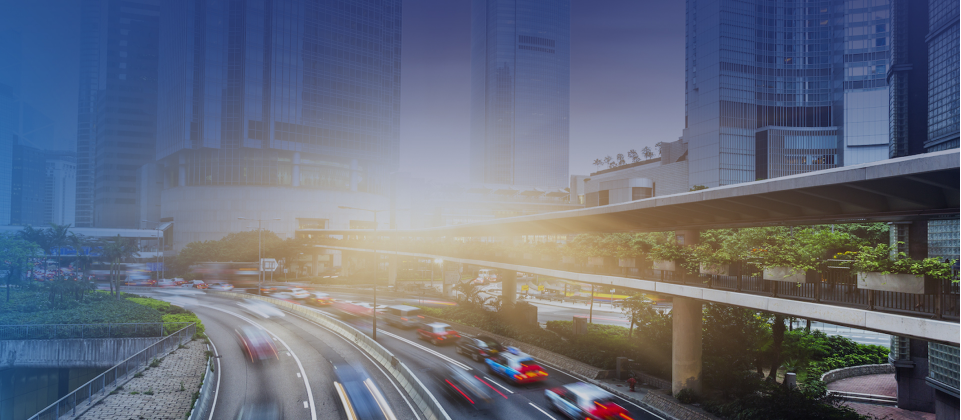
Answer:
[(424, 401)]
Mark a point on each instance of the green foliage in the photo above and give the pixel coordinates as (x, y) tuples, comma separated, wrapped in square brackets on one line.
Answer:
[(800, 249), (172, 319), (879, 259), (159, 305), (687, 396), (774, 401), (735, 340), (31, 306), (237, 247)]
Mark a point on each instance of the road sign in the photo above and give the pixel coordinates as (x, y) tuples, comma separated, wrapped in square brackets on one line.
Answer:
[(268, 264), (540, 288), (524, 288)]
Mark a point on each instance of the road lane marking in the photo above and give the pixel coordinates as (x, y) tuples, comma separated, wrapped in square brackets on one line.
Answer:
[(310, 394), (448, 359), (542, 411), (213, 407), (305, 402), (501, 386), (298, 374), (390, 378), (489, 386)]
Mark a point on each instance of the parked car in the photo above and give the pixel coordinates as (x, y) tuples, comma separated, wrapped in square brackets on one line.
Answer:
[(437, 333), (320, 299), (479, 347), (516, 367), (463, 386), (585, 401), (403, 316), (256, 344)]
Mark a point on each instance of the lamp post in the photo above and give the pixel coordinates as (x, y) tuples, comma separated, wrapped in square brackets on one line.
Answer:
[(162, 242), (376, 264), (260, 258)]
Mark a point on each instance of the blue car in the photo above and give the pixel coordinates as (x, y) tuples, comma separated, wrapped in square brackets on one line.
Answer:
[(516, 367)]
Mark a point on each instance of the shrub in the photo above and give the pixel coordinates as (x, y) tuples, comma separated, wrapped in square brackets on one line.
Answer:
[(687, 396), (158, 305), (170, 319)]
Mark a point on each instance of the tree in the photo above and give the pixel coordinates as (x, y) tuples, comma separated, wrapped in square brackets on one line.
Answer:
[(609, 161), (38, 237), (81, 245), (646, 151), (777, 335), (659, 146), (632, 154), (116, 252), (470, 292), (620, 159), (16, 255), (638, 308), (58, 236), (698, 188), (597, 164)]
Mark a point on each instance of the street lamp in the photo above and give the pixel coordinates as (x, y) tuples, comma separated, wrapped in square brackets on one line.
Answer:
[(374, 311), (260, 258), (162, 242)]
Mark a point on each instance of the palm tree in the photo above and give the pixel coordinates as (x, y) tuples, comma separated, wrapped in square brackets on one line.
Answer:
[(609, 161), (632, 155), (659, 145), (597, 164), (646, 151), (116, 252), (38, 237), (82, 245), (620, 159), (58, 238)]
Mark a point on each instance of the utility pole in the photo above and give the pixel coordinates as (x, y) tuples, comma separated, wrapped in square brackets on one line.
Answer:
[(374, 311), (260, 257)]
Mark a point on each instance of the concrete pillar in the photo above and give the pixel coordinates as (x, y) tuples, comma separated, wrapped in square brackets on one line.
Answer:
[(392, 262), (686, 350), (315, 266), (508, 287)]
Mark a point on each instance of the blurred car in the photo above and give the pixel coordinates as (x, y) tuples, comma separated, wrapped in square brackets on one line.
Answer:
[(462, 386), (585, 401), (199, 284), (298, 293), (437, 333), (267, 289), (260, 411), (320, 299), (479, 347), (261, 309), (516, 366), (224, 287), (361, 398), (257, 345), (166, 283), (369, 306), (403, 316)]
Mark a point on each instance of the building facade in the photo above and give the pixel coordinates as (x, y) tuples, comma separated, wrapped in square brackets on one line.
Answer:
[(520, 92), (776, 88), (117, 111), (664, 175), (60, 190), (268, 102)]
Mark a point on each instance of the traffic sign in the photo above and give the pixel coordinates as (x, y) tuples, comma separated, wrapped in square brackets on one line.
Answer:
[(268, 264), (524, 288), (540, 288)]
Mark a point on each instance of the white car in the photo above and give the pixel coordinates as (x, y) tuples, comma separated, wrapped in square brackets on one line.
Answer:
[(585, 401), (166, 283), (298, 293), (261, 309), (225, 287)]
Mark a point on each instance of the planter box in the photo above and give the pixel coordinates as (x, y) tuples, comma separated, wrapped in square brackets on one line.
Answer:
[(716, 269), (664, 265), (631, 262), (787, 274), (600, 261), (902, 283)]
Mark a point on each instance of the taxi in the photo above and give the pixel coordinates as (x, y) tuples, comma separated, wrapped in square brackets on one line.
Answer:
[(585, 401), (515, 366)]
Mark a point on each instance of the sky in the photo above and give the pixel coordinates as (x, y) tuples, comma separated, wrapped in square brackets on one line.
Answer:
[(627, 78)]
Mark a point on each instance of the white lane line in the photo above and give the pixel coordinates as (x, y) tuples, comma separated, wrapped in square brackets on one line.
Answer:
[(310, 394), (499, 385), (377, 365), (305, 404), (448, 359), (542, 411), (213, 407), (298, 374)]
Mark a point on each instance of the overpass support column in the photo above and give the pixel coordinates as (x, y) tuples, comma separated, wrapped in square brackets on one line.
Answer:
[(686, 348), (392, 262), (508, 288)]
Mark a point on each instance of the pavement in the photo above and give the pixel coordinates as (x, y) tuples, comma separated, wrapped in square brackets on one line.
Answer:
[(880, 384), (162, 393), (884, 412)]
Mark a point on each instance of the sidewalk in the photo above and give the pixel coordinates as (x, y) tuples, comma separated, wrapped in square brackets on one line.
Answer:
[(879, 384)]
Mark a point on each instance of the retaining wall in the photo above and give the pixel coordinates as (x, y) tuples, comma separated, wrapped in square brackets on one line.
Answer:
[(70, 353), (838, 374)]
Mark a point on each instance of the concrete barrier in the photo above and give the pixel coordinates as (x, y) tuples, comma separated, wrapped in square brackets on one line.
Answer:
[(848, 372), (70, 353)]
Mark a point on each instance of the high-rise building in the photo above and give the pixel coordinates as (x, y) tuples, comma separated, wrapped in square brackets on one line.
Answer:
[(943, 80), (265, 102), (7, 119), (782, 87), (520, 92), (60, 189), (117, 112)]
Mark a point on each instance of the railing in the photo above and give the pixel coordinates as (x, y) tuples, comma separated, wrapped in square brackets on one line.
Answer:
[(830, 285), (205, 401), (420, 396), (86, 331), (101, 385)]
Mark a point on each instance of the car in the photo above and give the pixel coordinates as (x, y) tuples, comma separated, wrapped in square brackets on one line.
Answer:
[(225, 287), (320, 299), (479, 347), (585, 401), (260, 411), (298, 293), (515, 366), (256, 344), (403, 316), (267, 289), (463, 386), (359, 394), (437, 333), (199, 284), (166, 283), (261, 309)]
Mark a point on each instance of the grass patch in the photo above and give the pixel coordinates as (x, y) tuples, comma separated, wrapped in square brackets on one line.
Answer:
[(28, 306)]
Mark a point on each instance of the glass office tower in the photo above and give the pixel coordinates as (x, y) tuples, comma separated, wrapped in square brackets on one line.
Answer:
[(520, 92), (262, 93), (117, 112), (775, 88), (943, 67)]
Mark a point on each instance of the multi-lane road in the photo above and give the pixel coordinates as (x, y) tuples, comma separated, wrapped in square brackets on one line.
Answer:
[(301, 382)]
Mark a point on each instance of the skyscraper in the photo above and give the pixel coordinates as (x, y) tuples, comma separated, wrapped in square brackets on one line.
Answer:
[(783, 87), (520, 92), (117, 112), (298, 101)]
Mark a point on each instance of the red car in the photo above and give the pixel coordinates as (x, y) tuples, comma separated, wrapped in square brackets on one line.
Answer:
[(257, 344), (437, 333)]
